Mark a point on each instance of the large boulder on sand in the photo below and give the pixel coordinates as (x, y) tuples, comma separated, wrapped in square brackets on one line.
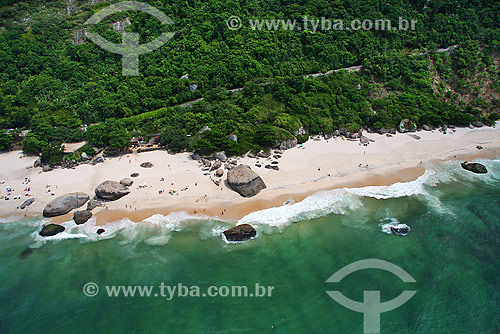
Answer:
[(81, 217), (64, 204), (245, 181), (111, 190), (240, 233), (51, 229), (474, 167)]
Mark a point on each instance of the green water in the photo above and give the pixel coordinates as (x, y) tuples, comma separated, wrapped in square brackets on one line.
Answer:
[(452, 252)]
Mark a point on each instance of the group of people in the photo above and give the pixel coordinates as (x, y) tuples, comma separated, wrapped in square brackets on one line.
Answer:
[(9, 190)]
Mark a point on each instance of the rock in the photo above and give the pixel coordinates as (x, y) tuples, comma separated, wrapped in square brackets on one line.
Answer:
[(27, 203), (81, 217), (217, 182), (206, 163), (401, 230), (46, 168), (85, 156), (64, 204), (111, 190), (274, 162), (221, 156), (216, 165), (100, 231), (147, 164), (479, 147), (134, 175), (300, 131), (276, 156), (250, 155), (258, 165), (195, 156), (219, 173), (51, 229), (474, 167), (241, 232), (272, 167), (92, 204), (426, 128), (205, 128), (414, 136), (126, 182), (245, 181), (233, 137), (263, 154), (406, 126), (477, 124), (444, 128), (287, 144), (278, 152), (97, 160), (37, 163), (27, 252)]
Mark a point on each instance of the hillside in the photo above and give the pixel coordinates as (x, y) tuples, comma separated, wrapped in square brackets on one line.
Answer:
[(54, 80)]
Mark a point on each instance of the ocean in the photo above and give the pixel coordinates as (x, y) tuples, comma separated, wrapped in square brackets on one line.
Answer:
[(452, 252)]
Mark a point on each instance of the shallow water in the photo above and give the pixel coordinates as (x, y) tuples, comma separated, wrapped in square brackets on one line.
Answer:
[(452, 252)]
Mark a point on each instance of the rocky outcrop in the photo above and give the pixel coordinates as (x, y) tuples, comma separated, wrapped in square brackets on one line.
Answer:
[(240, 233), (406, 126), (92, 204), (221, 156), (64, 204), (81, 217), (474, 167), (401, 230), (111, 190), (288, 144), (27, 203), (126, 182), (216, 165), (245, 181), (147, 164), (51, 229)]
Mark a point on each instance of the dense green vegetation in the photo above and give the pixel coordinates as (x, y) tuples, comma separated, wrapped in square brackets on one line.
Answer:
[(53, 87)]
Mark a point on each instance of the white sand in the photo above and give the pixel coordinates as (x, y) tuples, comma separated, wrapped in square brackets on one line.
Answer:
[(298, 174)]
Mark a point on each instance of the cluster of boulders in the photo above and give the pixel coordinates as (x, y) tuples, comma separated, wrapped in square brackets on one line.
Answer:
[(215, 164), (72, 164), (271, 159), (106, 191)]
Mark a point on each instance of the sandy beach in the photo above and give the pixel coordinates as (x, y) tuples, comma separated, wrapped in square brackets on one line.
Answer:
[(316, 165)]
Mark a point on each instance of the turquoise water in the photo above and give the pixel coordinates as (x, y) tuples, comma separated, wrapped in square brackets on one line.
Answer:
[(452, 252)]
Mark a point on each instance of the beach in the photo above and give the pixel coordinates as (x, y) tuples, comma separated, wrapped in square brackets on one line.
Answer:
[(317, 165)]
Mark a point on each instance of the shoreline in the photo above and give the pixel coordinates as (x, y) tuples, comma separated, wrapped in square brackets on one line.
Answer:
[(315, 166)]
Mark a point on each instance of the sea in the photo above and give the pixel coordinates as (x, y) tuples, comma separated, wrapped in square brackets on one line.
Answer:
[(278, 282)]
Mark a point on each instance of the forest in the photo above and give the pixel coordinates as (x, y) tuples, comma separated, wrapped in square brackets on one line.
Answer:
[(66, 89)]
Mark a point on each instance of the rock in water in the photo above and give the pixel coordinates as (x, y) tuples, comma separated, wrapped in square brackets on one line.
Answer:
[(111, 190), (27, 252), (27, 203), (51, 229), (240, 233), (147, 164), (401, 230), (81, 217), (474, 167), (245, 181), (64, 204), (126, 182)]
